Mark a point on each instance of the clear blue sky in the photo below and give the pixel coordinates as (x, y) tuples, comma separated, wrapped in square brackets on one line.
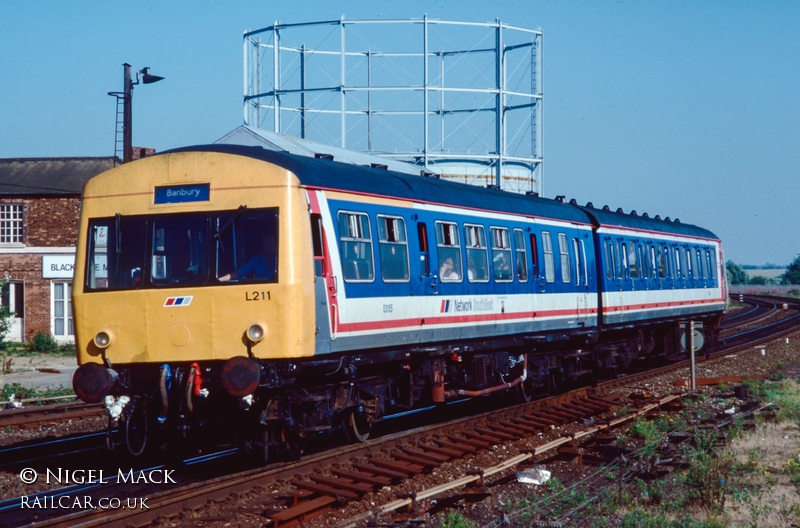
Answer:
[(684, 110)]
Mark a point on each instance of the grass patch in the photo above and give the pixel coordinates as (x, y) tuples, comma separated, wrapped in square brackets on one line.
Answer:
[(23, 393), (453, 519)]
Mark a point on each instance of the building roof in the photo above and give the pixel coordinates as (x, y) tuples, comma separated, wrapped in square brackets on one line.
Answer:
[(50, 175)]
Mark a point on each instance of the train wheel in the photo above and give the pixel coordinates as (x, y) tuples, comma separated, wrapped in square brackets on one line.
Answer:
[(356, 427)]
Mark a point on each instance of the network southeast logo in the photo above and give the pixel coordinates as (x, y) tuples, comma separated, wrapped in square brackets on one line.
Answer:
[(473, 305), (178, 301)]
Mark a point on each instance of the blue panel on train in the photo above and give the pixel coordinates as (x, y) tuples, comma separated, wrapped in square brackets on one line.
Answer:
[(182, 193)]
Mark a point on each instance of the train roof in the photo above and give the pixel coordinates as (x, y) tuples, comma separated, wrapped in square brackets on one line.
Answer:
[(607, 218), (328, 174), (331, 175)]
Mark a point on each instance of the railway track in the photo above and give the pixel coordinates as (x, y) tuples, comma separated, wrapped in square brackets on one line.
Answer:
[(30, 417), (329, 479)]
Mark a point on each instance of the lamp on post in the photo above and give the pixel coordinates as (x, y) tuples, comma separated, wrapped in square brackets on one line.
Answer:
[(127, 99)]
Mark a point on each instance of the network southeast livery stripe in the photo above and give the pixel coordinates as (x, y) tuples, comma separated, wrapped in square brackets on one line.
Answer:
[(178, 301)]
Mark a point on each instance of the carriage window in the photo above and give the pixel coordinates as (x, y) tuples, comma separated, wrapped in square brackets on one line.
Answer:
[(700, 271), (686, 256), (393, 246), (608, 260), (576, 249), (522, 261), (563, 249), (585, 265), (667, 269), (612, 264), (644, 266), (659, 261), (632, 263), (534, 256), (712, 264), (477, 253), (501, 255), (448, 249), (624, 255), (355, 244), (547, 246), (424, 258)]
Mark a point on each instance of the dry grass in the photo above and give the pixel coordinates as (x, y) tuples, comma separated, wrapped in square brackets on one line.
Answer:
[(770, 498)]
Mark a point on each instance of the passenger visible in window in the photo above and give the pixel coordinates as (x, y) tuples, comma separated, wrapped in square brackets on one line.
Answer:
[(446, 272), (502, 266), (471, 267), (260, 267)]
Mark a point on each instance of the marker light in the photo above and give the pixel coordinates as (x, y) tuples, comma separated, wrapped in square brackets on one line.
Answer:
[(256, 332), (103, 339)]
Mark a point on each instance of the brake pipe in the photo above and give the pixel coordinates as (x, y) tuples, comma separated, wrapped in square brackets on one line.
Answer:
[(164, 381)]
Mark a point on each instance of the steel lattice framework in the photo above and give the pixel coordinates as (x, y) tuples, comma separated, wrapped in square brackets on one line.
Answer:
[(461, 99)]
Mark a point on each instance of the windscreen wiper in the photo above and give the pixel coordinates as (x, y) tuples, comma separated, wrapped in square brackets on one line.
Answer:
[(219, 232), (118, 237)]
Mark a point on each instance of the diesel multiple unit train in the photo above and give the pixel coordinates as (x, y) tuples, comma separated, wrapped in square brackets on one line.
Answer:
[(237, 290)]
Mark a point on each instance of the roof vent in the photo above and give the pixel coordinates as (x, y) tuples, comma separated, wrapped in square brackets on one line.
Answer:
[(645, 215), (667, 219), (428, 174), (561, 198), (658, 217), (495, 187), (606, 208), (620, 211), (633, 213), (328, 157), (532, 193), (573, 202), (677, 220), (589, 205), (379, 166)]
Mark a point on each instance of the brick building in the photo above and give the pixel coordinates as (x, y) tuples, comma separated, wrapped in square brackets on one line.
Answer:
[(40, 200)]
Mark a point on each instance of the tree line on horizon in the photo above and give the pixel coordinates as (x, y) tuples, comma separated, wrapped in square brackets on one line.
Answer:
[(737, 274)]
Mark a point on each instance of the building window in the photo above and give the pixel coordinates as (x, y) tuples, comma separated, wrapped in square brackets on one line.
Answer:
[(11, 224), (62, 311)]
